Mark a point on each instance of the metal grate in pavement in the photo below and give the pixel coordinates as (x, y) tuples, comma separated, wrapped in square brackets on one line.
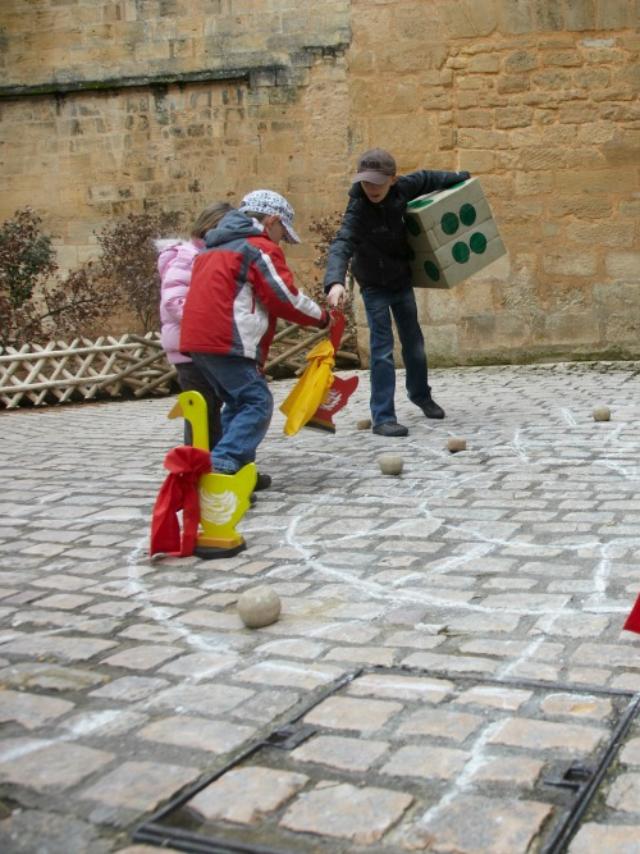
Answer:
[(388, 760)]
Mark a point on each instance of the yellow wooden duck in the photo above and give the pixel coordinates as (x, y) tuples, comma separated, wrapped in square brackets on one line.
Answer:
[(224, 498)]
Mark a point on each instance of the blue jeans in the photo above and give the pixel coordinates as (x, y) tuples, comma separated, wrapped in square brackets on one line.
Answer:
[(247, 410), (190, 379), (380, 305)]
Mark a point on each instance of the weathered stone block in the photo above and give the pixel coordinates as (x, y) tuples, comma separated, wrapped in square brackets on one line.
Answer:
[(480, 138), (475, 119), (452, 235), (546, 16), (568, 263), (245, 795), (595, 838), (467, 18), (513, 117), (579, 16), (521, 60), (473, 823), (614, 15), (447, 138), (487, 63), (623, 265), (564, 58), (362, 815), (515, 17), (578, 113), (443, 342), (577, 328), (614, 233), (511, 83), (478, 161)]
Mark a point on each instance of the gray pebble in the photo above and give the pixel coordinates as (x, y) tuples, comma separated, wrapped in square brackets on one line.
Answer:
[(390, 464), (259, 607), (601, 413)]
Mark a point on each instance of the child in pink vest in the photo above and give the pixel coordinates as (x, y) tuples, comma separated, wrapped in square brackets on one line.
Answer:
[(175, 261)]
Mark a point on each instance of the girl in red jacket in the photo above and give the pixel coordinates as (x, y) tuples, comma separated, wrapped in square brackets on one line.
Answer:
[(240, 286)]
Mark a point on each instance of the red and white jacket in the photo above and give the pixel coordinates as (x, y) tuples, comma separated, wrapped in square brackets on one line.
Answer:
[(240, 286)]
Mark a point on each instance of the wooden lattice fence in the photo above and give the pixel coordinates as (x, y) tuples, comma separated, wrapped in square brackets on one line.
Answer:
[(84, 370), (60, 372)]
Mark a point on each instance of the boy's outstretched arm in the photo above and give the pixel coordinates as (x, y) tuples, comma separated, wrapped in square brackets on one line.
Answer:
[(273, 284), (341, 250), (426, 181)]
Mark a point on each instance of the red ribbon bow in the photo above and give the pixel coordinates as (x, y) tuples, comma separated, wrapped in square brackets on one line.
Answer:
[(179, 492)]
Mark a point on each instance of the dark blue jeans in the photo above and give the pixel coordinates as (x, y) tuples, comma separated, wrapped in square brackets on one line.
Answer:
[(190, 379), (247, 410), (380, 305)]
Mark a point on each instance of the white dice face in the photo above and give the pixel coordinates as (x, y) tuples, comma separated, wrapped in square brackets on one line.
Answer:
[(452, 235)]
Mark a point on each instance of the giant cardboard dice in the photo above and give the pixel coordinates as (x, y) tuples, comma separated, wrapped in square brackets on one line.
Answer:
[(452, 235)]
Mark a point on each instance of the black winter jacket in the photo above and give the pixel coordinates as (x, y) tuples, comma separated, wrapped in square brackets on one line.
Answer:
[(374, 235)]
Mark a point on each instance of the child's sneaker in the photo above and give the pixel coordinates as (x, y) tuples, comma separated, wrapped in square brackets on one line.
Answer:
[(263, 482)]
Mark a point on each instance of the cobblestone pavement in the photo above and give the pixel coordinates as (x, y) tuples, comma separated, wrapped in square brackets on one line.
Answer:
[(450, 641)]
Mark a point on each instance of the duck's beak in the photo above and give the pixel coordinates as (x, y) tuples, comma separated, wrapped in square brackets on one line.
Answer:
[(177, 411)]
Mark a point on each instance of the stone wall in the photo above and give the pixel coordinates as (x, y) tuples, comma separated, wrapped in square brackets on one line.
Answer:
[(112, 107)]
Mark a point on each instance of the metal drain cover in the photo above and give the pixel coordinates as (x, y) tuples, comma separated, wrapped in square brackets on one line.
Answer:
[(391, 760)]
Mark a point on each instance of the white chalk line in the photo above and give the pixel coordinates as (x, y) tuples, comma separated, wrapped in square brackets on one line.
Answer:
[(464, 781), (374, 590), (97, 721), (485, 543)]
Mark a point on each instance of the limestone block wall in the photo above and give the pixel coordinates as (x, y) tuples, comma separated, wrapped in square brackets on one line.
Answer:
[(108, 108), (539, 100), (111, 107)]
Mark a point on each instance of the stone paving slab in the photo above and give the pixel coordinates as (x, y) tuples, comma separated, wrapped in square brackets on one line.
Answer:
[(514, 560)]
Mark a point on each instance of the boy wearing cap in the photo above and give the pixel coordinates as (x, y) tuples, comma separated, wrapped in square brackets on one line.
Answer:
[(239, 288), (373, 234)]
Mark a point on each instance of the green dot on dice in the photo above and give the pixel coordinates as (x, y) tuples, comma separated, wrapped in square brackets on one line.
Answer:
[(413, 225), (467, 214), (460, 252), (449, 223), (478, 242), (418, 204), (431, 270)]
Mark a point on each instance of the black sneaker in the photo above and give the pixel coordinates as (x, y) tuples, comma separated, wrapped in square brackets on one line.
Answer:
[(263, 482), (431, 409), (390, 429)]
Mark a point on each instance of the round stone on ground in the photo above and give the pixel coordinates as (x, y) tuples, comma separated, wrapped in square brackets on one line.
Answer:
[(454, 445), (364, 424), (259, 607), (390, 464), (601, 413)]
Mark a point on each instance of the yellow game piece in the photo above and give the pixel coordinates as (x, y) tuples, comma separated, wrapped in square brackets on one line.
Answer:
[(224, 498), (311, 389)]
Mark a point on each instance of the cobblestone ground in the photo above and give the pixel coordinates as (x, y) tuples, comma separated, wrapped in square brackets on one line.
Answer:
[(472, 608)]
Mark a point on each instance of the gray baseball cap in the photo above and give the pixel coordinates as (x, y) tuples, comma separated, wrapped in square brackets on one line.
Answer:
[(375, 166)]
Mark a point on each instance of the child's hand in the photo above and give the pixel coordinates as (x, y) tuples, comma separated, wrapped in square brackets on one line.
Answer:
[(337, 295)]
